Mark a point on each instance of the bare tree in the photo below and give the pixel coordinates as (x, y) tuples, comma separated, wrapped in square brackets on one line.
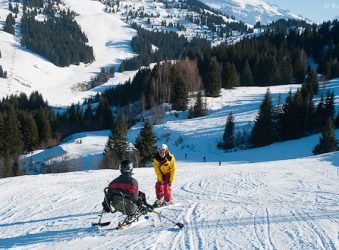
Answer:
[(189, 73)]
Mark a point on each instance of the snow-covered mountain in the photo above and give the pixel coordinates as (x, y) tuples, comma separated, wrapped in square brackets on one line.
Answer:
[(110, 38), (28, 72), (251, 11)]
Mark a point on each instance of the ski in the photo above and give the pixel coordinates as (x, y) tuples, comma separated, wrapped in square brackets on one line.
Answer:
[(101, 224)]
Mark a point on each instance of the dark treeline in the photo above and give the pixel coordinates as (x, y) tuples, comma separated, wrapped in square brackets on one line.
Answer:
[(276, 58), (26, 124), (59, 38), (299, 116), (169, 45), (283, 25)]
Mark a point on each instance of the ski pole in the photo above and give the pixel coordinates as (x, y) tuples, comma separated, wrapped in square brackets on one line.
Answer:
[(180, 225), (104, 224), (100, 217)]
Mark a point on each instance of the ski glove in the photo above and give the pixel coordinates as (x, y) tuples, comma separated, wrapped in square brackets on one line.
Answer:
[(146, 208), (143, 209), (150, 208), (105, 207), (140, 202)]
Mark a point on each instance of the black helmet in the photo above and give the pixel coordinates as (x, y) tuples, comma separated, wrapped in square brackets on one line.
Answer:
[(126, 166)]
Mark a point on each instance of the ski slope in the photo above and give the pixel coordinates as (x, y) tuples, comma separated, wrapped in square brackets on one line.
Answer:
[(273, 197), (286, 204), (110, 38)]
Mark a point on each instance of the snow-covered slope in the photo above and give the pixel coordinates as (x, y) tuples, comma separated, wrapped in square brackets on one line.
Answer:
[(110, 38), (287, 204), (251, 11)]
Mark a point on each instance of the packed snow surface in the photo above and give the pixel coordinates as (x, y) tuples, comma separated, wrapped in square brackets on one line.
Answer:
[(286, 204)]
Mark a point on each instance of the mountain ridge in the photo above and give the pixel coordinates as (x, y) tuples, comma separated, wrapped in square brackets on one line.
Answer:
[(252, 11)]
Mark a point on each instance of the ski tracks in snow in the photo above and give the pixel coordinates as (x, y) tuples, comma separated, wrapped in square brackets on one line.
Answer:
[(239, 208)]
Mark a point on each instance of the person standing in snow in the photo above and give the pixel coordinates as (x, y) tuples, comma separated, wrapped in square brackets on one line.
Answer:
[(165, 169)]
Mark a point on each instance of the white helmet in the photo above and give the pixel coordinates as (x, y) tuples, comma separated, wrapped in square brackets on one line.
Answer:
[(162, 150), (162, 147)]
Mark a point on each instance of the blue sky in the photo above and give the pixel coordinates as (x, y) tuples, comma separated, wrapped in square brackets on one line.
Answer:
[(316, 10)]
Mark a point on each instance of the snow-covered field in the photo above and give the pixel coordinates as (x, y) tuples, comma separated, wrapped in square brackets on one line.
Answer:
[(286, 204)]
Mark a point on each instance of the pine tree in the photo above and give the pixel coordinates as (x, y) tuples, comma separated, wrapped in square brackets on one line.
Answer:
[(230, 76), (263, 132), (246, 77), (12, 141), (10, 24), (145, 143), (103, 114), (200, 107), (286, 70), (327, 142), (44, 125), (228, 137), (329, 106), (324, 111), (179, 94), (116, 145), (88, 118), (308, 89), (2, 149), (12, 137), (213, 79), (310, 86), (294, 118), (29, 130)]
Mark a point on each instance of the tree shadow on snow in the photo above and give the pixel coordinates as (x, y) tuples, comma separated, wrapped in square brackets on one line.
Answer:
[(331, 157), (47, 219), (44, 236)]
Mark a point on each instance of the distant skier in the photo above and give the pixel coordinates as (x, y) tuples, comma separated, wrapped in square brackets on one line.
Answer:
[(123, 193), (165, 169)]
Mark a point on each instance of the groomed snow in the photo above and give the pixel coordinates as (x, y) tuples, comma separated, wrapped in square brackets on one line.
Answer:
[(287, 204)]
